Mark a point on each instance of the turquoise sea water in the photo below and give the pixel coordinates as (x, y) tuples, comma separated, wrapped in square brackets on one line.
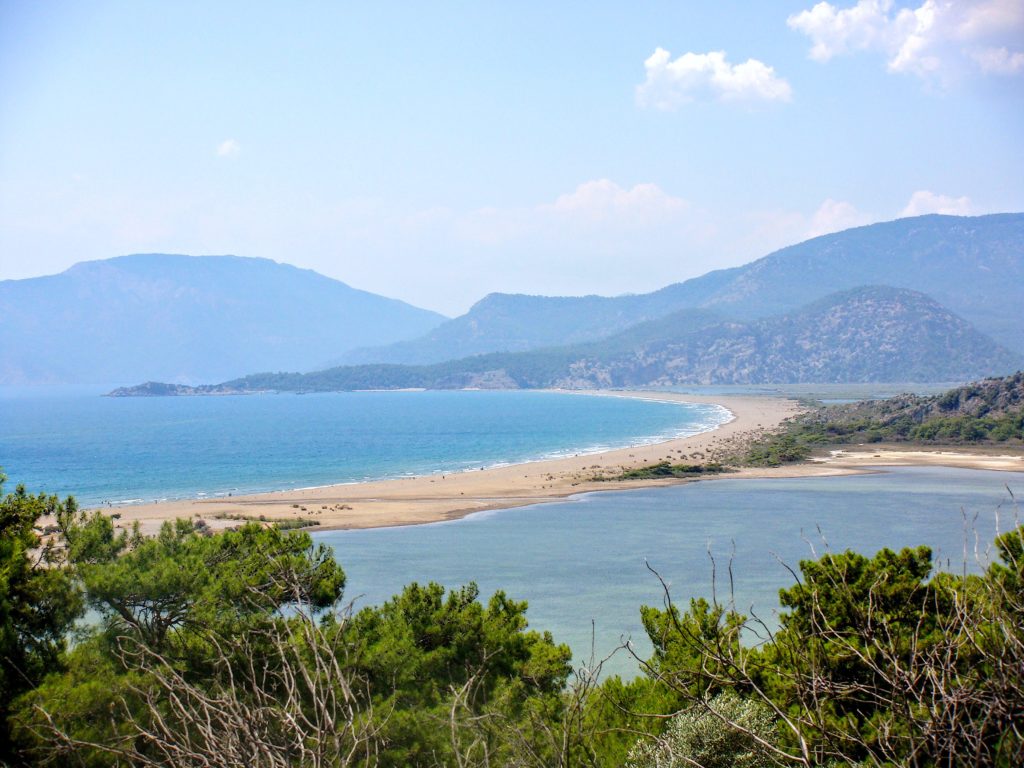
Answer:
[(141, 449), (585, 560)]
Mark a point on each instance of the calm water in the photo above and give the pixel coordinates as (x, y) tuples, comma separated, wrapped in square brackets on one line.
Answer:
[(584, 560), (136, 449)]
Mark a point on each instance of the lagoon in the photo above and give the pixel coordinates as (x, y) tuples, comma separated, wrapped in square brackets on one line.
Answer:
[(584, 561)]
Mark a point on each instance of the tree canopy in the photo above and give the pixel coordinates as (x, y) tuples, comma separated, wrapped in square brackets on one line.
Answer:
[(38, 600), (237, 649)]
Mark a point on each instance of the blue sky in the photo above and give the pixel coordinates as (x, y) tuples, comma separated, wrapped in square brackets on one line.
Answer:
[(437, 152)]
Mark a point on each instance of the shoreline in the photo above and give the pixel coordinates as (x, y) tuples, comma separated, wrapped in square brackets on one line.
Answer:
[(429, 498), (421, 499), (657, 439)]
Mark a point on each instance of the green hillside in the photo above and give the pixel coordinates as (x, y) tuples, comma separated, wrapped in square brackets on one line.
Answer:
[(986, 412)]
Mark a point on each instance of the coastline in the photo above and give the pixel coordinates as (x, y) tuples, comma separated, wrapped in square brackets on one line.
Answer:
[(433, 498), (436, 498)]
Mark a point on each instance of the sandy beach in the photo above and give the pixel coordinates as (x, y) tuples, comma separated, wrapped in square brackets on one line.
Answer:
[(433, 498), (430, 498)]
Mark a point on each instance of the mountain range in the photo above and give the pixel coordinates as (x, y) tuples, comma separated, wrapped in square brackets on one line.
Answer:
[(869, 334), (972, 265), (503, 322), (187, 319), (926, 298)]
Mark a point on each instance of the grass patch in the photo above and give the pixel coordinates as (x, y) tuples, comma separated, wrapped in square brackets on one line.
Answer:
[(665, 469), (288, 524), (294, 523)]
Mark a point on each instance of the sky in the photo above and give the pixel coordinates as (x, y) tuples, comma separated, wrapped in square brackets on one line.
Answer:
[(436, 152)]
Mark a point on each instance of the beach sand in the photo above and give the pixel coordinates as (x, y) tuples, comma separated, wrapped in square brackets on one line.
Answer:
[(997, 458), (433, 498), (430, 498)]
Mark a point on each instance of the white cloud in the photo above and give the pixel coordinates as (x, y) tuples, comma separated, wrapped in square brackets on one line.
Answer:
[(228, 148), (835, 216), (757, 232), (670, 83), (1000, 61), (598, 209), (604, 199), (936, 38), (923, 201), (834, 31)]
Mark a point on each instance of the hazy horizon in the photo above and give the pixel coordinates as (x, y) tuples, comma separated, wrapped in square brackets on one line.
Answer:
[(472, 302), (437, 155)]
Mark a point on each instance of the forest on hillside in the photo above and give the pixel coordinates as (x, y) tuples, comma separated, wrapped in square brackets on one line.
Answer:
[(986, 412)]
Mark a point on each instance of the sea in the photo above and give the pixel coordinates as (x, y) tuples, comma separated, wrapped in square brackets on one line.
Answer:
[(584, 565), (132, 450)]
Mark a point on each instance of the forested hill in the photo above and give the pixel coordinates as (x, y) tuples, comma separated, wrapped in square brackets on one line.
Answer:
[(868, 334), (988, 410), (973, 265), (187, 319)]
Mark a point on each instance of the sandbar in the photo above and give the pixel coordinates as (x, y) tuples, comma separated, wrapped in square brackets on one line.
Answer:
[(439, 497)]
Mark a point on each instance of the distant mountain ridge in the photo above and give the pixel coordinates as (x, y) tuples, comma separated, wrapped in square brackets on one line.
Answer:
[(187, 319), (505, 322), (873, 333), (181, 320), (869, 334), (972, 265)]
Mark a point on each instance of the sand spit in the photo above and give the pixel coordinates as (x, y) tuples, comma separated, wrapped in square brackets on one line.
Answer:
[(431, 498), (434, 498)]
